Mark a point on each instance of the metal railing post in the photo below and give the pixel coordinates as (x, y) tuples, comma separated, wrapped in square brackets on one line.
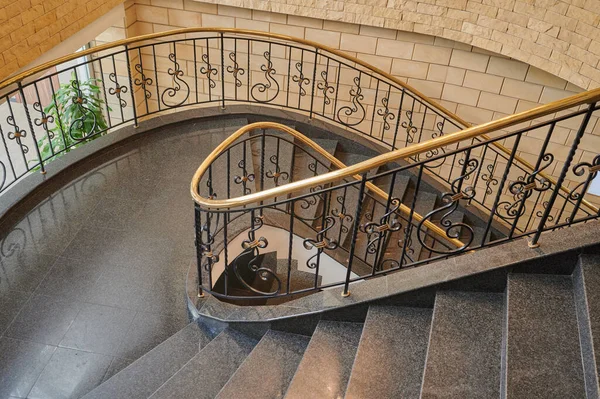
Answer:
[(534, 241), (361, 193), (131, 88), (199, 247), (35, 142)]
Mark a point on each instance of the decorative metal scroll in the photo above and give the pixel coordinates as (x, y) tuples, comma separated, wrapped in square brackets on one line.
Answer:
[(489, 179), (252, 246), (385, 114), (321, 242), (78, 125), (44, 120), (244, 178), (376, 231), (278, 174), (178, 83), (341, 214), (409, 127), (592, 169), (522, 189), (17, 134), (142, 81), (325, 88), (117, 90), (261, 87), (209, 71), (356, 97), (300, 79), (450, 202), (235, 69)]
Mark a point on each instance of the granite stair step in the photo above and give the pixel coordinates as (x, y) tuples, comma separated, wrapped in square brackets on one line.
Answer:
[(147, 374), (586, 280), (543, 356), (393, 338), (209, 370), (325, 367), (464, 353), (267, 371)]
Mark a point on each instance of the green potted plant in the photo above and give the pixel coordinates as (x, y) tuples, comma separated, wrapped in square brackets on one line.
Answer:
[(76, 110)]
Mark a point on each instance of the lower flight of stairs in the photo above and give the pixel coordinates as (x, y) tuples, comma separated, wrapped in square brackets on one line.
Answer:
[(535, 338)]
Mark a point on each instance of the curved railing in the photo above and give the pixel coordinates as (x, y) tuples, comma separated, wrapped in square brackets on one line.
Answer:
[(518, 202), (64, 103)]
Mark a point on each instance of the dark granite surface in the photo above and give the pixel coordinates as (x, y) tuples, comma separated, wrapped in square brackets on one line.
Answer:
[(391, 355), (463, 358), (208, 371), (268, 370), (586, 282), (151, 371), (543, 353), (325, 368)]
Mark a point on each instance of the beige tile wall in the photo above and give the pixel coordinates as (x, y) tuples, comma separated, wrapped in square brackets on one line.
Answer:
[(560, 37), (29, 28)]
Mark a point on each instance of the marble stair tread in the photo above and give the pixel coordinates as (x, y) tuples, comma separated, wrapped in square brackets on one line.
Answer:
[(267, 371), (209, 370), (465, 344), (543, 357), (147, 374), (325, 367), (391, 355), (586, 280)]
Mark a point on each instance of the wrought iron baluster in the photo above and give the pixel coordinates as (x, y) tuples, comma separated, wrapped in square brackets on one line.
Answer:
[(143, 81), (30, 122), (374, 109), (222, 72), (44, 119), (107, 107), (314, 78), (133, 104), (361, 194), (567, 165)]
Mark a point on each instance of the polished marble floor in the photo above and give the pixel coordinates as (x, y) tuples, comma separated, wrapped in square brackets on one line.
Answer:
[(94, 276)]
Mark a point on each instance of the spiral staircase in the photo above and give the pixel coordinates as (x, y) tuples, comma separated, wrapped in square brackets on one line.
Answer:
[(342, 254)]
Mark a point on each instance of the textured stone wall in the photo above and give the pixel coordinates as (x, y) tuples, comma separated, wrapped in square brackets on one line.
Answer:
[(560, 37), (29, 28)]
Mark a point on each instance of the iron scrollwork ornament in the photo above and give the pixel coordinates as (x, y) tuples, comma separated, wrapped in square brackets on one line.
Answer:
[(321, 243), (178, 83), (79, 124), (261, 87), (278, 174), (579, 170), (209, 71), (235, 70), (245, 178), (44, 120), (252, 246), (385, 114), (118, 90), (356, 97), (376, 231), (450, 202), (17, 134), (300, 79), (142, 81), (341, 214), (325, 88), (409, 127), (522, 189)]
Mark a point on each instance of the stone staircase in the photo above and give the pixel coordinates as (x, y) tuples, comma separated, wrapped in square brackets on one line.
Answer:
[(514, 334)]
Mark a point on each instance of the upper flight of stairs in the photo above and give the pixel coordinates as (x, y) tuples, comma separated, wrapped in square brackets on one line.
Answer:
[(523, 336)]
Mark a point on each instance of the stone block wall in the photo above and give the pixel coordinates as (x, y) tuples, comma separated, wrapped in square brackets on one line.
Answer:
[(560, 37), (29, 28)]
